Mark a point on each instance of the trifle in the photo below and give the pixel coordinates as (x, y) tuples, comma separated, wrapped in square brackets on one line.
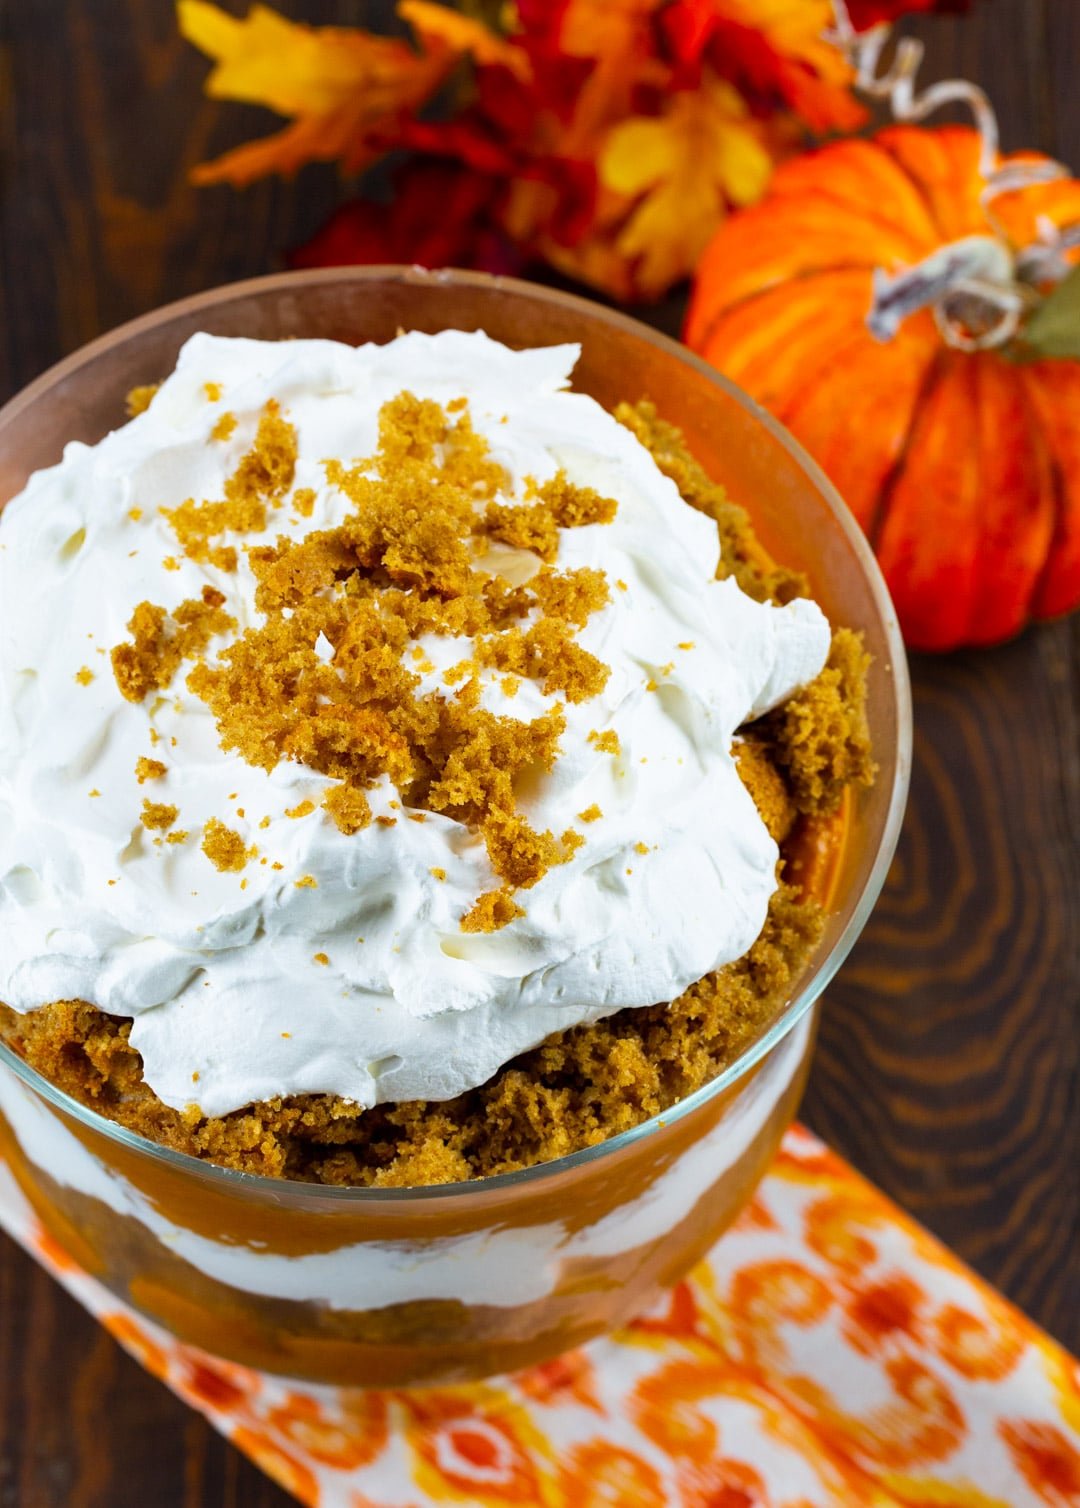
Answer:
[(425, 806)]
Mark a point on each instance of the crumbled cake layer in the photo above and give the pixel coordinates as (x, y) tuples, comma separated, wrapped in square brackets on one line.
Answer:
[(580, 1086)]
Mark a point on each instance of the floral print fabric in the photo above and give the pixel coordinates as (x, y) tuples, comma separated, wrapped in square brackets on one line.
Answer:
[(828, 1352)]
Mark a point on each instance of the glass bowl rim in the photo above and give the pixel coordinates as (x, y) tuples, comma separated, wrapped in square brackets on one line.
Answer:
[(826, 969)]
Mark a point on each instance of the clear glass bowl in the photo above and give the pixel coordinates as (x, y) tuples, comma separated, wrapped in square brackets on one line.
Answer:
[(398, 1287)]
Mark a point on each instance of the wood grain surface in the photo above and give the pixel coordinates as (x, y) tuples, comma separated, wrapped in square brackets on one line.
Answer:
[(949, 1066)]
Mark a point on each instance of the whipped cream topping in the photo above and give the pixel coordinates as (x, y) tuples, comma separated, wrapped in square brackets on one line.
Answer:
[(336, 963)]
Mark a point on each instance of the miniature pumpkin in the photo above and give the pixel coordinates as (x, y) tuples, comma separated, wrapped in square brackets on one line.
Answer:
[(850, 303)]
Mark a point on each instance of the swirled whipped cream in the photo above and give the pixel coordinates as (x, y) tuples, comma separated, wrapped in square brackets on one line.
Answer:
[(264, 948)]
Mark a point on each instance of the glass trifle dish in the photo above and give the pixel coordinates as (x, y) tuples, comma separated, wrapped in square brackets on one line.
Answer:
[(448, 739)]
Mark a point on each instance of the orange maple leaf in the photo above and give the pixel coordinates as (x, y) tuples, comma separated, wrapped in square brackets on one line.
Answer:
[(683, 169), (345, 90)]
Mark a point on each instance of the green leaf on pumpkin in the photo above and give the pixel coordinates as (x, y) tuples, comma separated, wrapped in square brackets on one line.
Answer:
[(1054, 328)]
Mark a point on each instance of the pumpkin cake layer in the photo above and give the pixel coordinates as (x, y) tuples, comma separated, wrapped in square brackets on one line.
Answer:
[(583, 1084)]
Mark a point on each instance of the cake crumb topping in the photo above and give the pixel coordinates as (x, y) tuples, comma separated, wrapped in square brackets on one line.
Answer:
[(261, 480), (139, 399), (224, 427), (322, 680), (224, 847), (157, 816), (580, 1085), (149, 769), (162, 641), (607, 742)]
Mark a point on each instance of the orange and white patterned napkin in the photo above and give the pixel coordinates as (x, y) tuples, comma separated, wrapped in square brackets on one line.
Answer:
[(828, 1352)]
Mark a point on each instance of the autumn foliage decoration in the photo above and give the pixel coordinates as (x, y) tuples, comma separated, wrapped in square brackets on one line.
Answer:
[(605, 138), (908, 303)]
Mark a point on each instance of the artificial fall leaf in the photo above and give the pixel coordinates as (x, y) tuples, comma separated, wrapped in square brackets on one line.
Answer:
[(774, 52), (865, 13), (463, 36), (347, 91), (589, 28), (1054, 328), (462, 234), (684, 168)]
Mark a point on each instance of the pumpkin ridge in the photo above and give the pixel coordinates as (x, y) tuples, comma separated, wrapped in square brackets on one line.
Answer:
[(1015, 540), (702, 338), (1061, 499), (953, 134), (790, 181), (875, 524)]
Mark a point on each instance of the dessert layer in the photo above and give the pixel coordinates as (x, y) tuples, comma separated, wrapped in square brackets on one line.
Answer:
[(580, 1086), (381, 728)]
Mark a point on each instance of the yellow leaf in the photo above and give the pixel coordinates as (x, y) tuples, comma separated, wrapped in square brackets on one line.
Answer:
[(339, 85), (463, 36), (294, 69), (684, 168)]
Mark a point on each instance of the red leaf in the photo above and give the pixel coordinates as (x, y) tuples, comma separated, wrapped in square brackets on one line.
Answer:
[(440, 215), (866, 13)]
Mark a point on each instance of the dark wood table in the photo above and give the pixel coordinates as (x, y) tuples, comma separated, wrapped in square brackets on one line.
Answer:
[(948, 1066)]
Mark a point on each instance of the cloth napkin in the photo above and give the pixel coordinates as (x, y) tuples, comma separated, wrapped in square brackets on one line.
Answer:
[(828, 1351)]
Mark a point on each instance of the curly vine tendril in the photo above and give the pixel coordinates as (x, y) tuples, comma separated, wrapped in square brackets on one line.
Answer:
[(978, 288)]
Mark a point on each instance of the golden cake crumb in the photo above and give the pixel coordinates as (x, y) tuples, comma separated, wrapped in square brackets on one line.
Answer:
[(590, 814), (158, 815), (303, 500), (259, 482), (84, 675), (397, 567), (348, 807), (491, 911), (149, 769), (139, 399), (607, 742), (822, 746), (306, 882), (161, 641), (760, 773), (322, 958), (178, 835), (437, 873), (223, 846), (135, 514), (224, 427), (212, 391), (300, 810), (740, 554)]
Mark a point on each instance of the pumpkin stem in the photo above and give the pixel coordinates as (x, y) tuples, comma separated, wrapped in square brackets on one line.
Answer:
[(897, 85), (979, 288), (971, 287)]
